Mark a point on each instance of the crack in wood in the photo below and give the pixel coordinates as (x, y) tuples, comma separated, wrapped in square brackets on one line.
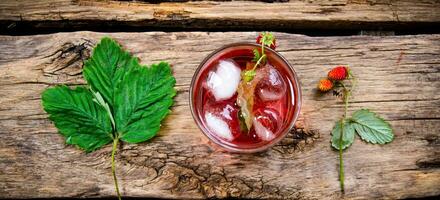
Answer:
[(185, 174)]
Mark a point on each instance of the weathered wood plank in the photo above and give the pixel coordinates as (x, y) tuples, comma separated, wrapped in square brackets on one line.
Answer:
[(251, 15), (399, 78)]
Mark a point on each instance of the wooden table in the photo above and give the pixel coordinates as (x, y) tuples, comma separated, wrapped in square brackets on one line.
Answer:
[(399, 78)]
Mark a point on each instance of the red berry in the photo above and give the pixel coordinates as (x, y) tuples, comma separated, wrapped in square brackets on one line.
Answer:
[(272, 46), (325, 85), (338, 73)]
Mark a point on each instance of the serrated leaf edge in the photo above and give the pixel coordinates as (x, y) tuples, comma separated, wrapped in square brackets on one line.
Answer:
[(377, 116)]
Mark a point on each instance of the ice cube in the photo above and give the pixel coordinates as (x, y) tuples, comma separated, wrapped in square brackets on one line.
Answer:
[(218, 126), (272, 86), (226, 112), (224, 81), (262, 132), (266, 122)]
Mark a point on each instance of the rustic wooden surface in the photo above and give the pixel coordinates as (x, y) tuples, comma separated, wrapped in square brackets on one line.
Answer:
[(399, 77), (251, 15)]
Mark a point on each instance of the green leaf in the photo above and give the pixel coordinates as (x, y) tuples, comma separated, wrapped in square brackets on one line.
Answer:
[(348, 136), (83, 122), (126, 101), (371, 128), (256, 55), (249, 75), (103, 71), (142, 101)]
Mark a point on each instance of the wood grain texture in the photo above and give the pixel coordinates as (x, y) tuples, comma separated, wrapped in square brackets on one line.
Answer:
[(311, 14), (399, 77)]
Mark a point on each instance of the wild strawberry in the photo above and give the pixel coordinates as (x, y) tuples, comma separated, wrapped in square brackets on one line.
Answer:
[(268, 36), (325, 85), (338, 73)]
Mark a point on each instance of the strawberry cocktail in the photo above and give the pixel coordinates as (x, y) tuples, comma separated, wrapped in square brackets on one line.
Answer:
[(245, 97)]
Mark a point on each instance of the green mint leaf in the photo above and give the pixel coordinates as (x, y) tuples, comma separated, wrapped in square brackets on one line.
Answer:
[(83, 122), (348, 136), (142, 101), (106, 66), (249, 75), (256, 55), (371, 128)]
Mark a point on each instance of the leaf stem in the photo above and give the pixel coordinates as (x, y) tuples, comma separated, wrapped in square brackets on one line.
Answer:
[(341, 161), (115, 145), (346, 96), (263, 55), (259, 61)]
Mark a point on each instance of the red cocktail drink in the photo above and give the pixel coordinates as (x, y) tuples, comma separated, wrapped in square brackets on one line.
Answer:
[(239, 115)]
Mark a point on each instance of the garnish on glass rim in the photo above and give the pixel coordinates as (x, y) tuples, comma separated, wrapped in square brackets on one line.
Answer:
[(246, 88), (266, 39), (122, 101), (367, 124)]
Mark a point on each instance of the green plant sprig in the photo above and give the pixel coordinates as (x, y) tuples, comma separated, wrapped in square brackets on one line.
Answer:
[(267, 39), (368, 125)]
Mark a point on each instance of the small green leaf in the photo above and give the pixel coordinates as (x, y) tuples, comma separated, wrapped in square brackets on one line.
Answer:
[(348, 136), (249, 75), (256, 55), (371, 128), (83, 122)]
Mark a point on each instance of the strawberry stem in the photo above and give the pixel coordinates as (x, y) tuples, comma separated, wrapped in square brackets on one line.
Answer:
[(341, 161), (263, 55), (347, 94), (258, 62)]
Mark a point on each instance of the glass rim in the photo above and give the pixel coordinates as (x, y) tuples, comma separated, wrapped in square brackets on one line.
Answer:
[(297, 107)]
